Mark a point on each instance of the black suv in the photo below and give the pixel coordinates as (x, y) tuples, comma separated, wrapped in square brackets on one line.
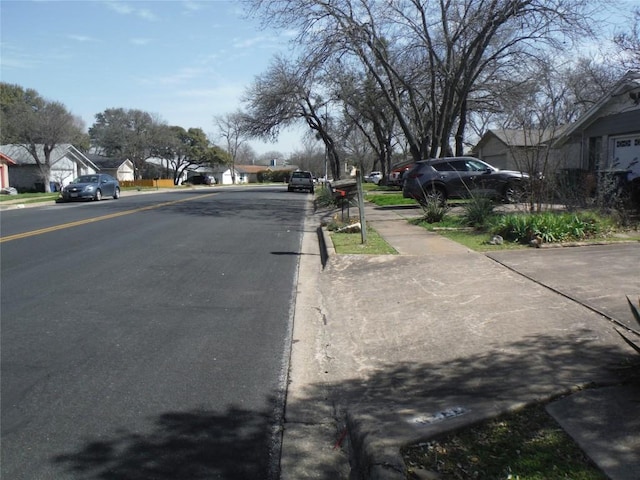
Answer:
[(439, 179)]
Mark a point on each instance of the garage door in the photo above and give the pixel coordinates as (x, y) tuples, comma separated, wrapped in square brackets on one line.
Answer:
[(626, 152)]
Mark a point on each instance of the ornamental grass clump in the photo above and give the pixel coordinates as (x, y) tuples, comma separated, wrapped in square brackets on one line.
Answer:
[(478, 211), (433, 211), (635, 311)]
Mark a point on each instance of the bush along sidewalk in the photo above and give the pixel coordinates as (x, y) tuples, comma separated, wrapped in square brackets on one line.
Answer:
[(549, 227)]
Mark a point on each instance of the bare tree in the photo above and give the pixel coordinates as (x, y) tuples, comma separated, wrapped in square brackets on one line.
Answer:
[(246, 155), (428, 57), (629, 43), (37, 125), (288, 93), (534, 114), (368, 121), (231, 130)]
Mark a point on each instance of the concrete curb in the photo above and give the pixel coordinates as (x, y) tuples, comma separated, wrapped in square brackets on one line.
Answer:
[(373, 463)]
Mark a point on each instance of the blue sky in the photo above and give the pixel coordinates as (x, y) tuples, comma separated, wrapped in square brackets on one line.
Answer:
[(186, 61)]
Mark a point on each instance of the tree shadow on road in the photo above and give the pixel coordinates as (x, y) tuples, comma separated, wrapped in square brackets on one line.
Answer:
[(182, 445)]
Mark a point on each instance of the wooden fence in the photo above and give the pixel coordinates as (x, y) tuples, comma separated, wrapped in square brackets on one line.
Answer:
[(148, 183)]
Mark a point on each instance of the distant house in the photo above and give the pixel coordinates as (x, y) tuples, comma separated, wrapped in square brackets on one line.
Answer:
[(516, 149), (5, 162), (67, 162), (607, 136), (121, 169), (244, 173)]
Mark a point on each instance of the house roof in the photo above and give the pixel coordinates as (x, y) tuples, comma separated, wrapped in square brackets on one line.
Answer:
[(520, 137), (6, 159), (263, 168), (106, 162), (21, 155), (628, 83)]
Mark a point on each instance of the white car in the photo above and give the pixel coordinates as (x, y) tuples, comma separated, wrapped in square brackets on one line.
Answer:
[(373, 177)]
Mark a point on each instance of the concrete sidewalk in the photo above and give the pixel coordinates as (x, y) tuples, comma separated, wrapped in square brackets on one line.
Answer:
[(409, 346)]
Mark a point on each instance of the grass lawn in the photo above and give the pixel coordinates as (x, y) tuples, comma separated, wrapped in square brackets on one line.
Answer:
[(351, 243), (385, 198), (525, 445), (29, 197)]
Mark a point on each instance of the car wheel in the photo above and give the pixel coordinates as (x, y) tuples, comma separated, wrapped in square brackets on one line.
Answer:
[(311, 190), (116, 194), (434, 195), (514, 192), (289, 189), (98, 196)]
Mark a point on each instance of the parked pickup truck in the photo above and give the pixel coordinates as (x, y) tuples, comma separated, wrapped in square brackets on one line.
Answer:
[(301, 181)]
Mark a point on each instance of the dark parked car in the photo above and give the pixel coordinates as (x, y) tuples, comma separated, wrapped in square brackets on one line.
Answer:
[(91, 187), (200, 180), (459, 177)]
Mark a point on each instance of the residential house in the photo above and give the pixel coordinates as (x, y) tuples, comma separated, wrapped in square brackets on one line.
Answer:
[(243, 173), (518, 149), (5, 162), (118, 168), (607, 136), (67, 162), (224, 174)]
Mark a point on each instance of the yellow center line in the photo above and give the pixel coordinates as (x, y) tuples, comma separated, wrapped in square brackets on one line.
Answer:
[(97, 219)]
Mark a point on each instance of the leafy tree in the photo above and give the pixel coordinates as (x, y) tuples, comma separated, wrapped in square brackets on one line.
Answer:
[(126, 133), (188, 148), (37, 125)]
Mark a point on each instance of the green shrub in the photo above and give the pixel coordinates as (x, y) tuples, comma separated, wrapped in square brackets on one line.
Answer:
[(324, 197), (548, 227), (433, 211), (478, 211), (513, 227)]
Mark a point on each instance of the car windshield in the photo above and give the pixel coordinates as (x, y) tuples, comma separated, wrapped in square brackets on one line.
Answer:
[(86, 179), (301, 175)]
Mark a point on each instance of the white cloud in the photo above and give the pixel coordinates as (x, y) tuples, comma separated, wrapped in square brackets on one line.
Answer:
[(125, 9), (81, 38), (119, 7), (140, 41), (14, 57), (262, 41), (181, 76), (191, 6)]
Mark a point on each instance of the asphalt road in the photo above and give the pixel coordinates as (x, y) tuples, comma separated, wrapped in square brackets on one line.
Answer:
[(148, 337)]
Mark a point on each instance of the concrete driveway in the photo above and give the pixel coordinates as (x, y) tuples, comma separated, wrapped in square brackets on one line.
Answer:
[(597, 276)]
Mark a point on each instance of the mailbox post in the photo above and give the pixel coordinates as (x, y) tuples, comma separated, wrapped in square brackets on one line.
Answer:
[(363, 222)]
